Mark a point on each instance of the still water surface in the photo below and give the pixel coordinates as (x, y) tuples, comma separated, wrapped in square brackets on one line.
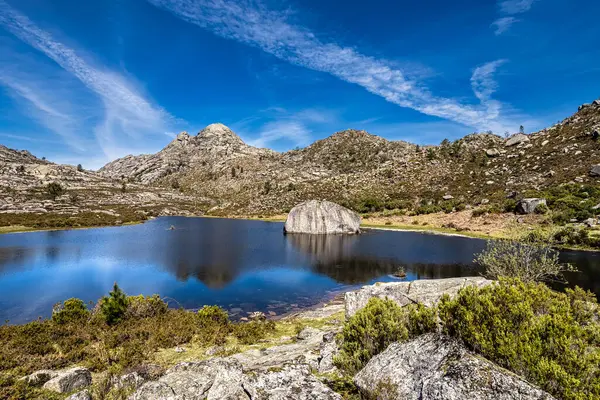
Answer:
[(240, 265)]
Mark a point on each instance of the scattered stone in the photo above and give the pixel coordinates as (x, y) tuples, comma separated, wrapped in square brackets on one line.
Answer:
[(322, 217), (484, 201), (307, 333), (448, 197), (179, 349), (38, 378), (132, 380), (595, 170), (492, 152), (257, 316), (436, 367), (528, 206), (83, 395), (516, 139), (69, 380), (427, 292), (590, 222), (214, 350)]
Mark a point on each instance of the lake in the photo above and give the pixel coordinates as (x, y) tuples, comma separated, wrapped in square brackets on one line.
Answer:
[(240, 265)]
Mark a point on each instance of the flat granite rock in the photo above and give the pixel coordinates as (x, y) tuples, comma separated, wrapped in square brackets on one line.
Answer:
[(219, 379), (426, 291), (436, 367), (322, 218)]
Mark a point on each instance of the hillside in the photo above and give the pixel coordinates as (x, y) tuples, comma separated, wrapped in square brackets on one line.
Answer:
[(365, 171), (80, 198)]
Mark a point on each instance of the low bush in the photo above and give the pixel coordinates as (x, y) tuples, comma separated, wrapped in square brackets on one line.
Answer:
[(251, 332), (528, 261), (376, 326), (145, 306), (71, 310), (552, 339)]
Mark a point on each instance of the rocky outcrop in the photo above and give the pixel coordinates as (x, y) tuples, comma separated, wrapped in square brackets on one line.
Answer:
[(516, 139), (211, 147), (435, 367), (38, 378), (595, 170), (69, 380), (528, 206), (322, 217), (218, 379), (427, 292)]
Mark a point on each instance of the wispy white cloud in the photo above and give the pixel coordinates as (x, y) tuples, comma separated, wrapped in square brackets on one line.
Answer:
[(515, 6), (503, 24), (509, 8), (251, 23), (127, 113), (293, 128), (482, 80)]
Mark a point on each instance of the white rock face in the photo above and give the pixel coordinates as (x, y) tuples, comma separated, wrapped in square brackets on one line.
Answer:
[(69, 380), (322, 217), (435, 367), (528, 206), (516, 139), (218, 379), (427, 292)]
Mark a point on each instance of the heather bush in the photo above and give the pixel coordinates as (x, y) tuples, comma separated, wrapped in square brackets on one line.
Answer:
[(71, 310), (373, 328), (552, 339)]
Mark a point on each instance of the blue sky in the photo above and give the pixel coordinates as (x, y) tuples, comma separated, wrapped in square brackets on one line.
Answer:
[(89, 81)]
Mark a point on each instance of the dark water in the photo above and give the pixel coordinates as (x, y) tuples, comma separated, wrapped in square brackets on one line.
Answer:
[(240, 265)]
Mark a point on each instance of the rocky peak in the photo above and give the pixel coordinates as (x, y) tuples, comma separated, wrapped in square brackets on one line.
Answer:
[(219, 133)]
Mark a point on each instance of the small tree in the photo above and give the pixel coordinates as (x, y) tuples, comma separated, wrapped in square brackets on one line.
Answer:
[(123, 187), (522, 130), (21, 169), (54, 190), (79, 168), (114, 306), (529, 261), (233, 172)]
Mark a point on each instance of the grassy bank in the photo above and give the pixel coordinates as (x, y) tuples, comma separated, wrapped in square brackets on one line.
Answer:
[(121, 334)]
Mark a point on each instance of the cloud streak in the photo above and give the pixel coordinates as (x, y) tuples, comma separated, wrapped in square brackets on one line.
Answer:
[(127, 112), (509, 8), (515, 6), (503, 24), (251, 23)]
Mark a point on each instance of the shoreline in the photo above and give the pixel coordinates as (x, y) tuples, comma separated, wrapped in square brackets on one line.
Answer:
[(431, 230)]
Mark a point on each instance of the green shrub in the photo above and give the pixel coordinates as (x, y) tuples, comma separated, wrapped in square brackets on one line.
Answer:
[(253, 331), (71, 310), (528, 261), (478, 212), (373, 328), (552, 339), (54, 190), (212, 315), (145, 306), (541, 209), (427, 209), (114, 306), (509, 205)]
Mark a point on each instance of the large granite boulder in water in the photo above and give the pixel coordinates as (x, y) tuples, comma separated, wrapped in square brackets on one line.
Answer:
[(426, 291), (436, 367), (322, 217)]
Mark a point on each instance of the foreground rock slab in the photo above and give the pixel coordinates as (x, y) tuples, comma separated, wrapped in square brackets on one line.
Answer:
[(322, 217), (69, 380), (427, 292), (436, 367), (220, 379)]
